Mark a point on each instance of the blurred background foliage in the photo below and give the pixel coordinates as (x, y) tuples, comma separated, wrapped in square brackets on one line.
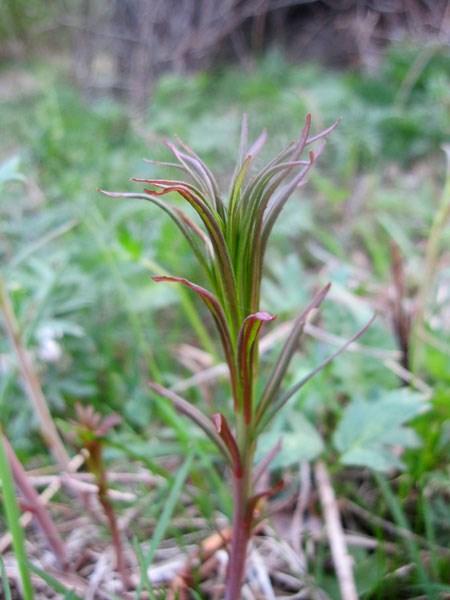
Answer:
[(78, 265)]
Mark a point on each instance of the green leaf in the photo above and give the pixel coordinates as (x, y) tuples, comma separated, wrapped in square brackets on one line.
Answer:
[(281, 400), (12, 514), (193, 413), (180, 219), (247, 344), (214, 307), (5, 583), (281, 366), (166, 515), (54, 584), (299, 438), (368, 429), (9, 170)]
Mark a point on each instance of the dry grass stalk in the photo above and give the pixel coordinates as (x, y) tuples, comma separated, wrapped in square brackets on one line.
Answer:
[(341, 558), (31, 381)]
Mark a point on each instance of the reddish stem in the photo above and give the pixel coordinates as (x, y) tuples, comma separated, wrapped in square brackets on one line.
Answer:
[(35, 505), (97, 467), (116, 539), (239, 537)]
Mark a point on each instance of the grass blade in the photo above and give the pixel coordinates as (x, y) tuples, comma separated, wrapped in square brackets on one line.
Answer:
[(411, 546), (54, 584), (145, 581), (166, 515), (5, 582), (12, 515)]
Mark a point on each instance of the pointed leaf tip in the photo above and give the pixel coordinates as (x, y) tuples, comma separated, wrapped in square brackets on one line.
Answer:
[(224, 431), (247, 344), (262, 316), (194, 414)]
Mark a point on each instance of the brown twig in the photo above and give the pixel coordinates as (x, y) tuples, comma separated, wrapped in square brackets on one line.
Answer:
[(45, 497), (400, 316), (341, 558), (298, 525), (35, 504)]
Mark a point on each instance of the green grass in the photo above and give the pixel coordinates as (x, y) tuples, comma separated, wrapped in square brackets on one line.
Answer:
[(77, 267), (12, 516)]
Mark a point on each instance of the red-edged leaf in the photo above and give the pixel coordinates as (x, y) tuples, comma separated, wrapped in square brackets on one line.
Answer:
[(199, 172), (264, 463), (247, 340), (255, 500), (223, 429), (179, 218), (283, 398), (322, 134), (276, 205), (193, 413), (212, 222), (274, 382), (108, 423), (257, 145), (218, 315)]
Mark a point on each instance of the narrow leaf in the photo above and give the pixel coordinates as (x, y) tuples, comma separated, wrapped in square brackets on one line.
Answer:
[(164, 520), (274, 382), (266, 494), (193, 413), (211, 221), (4, 580), (277, 204), (223, 429), (54, 583), (322, 134), (12, 515), (257, 145), (175, 214), (264, 463), (244, 138), (218, 315), (281, 401), (248, 337), (200, 173), (38, 508)]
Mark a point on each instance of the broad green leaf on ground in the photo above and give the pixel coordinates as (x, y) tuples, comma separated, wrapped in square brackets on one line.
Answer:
[(299, 438), (10, 170), (369, 430)]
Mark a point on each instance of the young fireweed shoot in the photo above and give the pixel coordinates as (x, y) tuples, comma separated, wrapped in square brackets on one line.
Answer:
[(90, 429), (229, 239)]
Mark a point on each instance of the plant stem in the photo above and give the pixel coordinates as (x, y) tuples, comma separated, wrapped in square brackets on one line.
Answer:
[(97, 467), (36, 506), (239, 537)]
